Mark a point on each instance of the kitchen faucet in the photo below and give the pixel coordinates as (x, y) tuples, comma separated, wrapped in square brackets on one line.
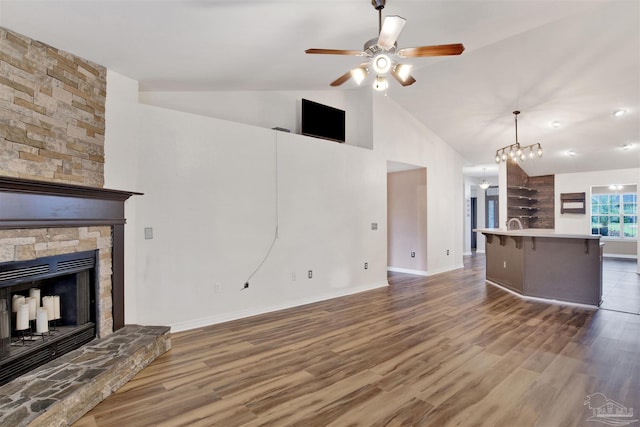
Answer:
[(517, 221)]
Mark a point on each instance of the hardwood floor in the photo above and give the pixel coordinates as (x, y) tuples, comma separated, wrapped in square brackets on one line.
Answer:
[(438, 351), (621, 285)]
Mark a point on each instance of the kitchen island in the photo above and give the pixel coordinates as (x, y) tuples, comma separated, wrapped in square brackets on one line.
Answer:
[(544, 264)]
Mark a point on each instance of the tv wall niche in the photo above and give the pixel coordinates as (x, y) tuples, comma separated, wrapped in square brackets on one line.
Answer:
[(323, 121)]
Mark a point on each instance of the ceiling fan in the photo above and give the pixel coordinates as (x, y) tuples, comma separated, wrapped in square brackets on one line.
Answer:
[(379, 52)]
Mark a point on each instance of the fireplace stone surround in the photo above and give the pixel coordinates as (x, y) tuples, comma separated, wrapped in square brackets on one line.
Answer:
[(43, 218), (40, 219)]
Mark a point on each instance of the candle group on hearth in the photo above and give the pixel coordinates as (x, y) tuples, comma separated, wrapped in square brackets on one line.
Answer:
[(30, 308)]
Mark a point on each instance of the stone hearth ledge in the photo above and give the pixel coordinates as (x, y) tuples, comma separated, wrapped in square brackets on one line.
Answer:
[(61, 391)]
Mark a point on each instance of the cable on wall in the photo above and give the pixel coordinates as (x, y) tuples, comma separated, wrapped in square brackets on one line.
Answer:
[(277, 226)]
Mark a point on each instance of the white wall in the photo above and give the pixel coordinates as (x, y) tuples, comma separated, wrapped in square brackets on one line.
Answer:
[(399, 137), (216, 190), (582, 182), (271, 109), (121, 171)]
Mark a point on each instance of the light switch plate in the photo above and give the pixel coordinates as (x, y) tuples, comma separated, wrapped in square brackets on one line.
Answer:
[(148, 233)]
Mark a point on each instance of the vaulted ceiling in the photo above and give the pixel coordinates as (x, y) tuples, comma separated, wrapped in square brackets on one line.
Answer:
[(571, 62)]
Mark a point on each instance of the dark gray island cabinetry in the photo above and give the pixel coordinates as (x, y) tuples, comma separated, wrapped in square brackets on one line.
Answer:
[(544, 264)]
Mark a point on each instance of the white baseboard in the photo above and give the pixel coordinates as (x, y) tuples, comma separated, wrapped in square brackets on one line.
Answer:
[(424, 273), (226, 317), (407, 271)]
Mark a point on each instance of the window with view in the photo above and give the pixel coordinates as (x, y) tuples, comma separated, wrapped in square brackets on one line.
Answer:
[(615, 214)]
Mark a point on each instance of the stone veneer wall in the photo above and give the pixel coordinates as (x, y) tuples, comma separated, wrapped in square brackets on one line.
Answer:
[(53, 113), (52, 125)]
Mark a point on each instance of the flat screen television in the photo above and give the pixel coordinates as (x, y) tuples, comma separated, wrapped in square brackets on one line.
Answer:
[(323, 121)]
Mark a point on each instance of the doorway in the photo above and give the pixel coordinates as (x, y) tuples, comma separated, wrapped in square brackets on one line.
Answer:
[(406, 218)]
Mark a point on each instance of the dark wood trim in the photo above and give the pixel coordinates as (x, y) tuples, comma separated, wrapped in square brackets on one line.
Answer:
[(27, 203), (117, 279), (573, 198), (37, 204), (19, 185)]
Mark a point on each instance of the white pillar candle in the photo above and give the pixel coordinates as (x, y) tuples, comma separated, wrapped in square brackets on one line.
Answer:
[(42, 321), (56, 306), (47, 302), (35, 293), (18, 300), (31, 301), (22, 319)]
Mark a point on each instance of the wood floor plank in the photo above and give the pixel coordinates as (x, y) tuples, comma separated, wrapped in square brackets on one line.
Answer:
[(444, 350)]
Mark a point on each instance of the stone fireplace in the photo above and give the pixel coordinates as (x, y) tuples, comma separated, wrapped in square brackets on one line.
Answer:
[(43, 332), (52, 204), (55, 237)]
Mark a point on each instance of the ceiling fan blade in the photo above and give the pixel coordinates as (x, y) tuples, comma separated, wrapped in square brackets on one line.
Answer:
[(334, 52), (406, 82), (390, 31), (438, 50), (343, 78)]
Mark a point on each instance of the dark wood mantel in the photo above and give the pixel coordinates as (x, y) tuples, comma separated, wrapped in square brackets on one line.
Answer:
[(38, 204)]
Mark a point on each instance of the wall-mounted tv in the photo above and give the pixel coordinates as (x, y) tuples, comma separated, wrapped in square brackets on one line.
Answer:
[(323, 121)]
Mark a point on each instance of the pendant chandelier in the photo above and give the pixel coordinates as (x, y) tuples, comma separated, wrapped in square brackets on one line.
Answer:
[(515, 151), (484, 184)]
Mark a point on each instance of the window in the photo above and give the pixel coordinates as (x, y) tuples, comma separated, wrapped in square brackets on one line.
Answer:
[(615, 215)]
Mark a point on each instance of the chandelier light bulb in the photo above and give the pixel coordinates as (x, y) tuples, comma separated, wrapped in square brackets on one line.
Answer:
[(380, 83), (504, 156), (382, 64), (403, 70), (531, 153), (523, 157), (497, 158), (358, 75), (539, 151)]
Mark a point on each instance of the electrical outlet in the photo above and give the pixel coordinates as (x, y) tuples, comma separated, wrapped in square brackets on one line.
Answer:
[(366, 265), (413, 254), (447, 251), (293, 276), (310, 274), (148, 233), (216, 288), (374, 225)]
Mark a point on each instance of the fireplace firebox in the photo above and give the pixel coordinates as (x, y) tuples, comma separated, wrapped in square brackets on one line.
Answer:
[(47, 308)]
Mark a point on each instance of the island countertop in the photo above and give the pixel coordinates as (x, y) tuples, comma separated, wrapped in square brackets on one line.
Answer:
[(536, 232)]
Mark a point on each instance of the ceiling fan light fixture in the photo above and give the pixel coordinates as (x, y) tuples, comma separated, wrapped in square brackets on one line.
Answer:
[(358, 75), (382, 63), (403, 71), (380, 83)]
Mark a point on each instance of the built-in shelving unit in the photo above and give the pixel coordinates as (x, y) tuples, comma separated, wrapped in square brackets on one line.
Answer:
[(522, 202), (530, 198)]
